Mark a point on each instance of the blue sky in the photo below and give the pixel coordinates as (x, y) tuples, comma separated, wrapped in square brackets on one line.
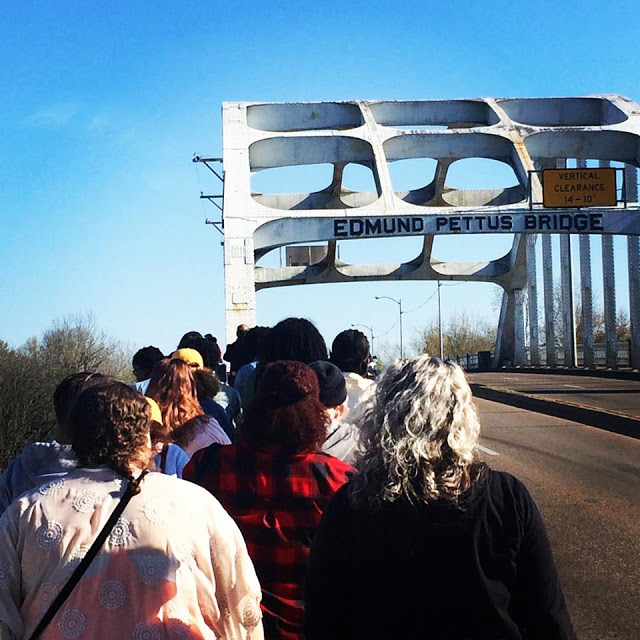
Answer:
[(104, 105)]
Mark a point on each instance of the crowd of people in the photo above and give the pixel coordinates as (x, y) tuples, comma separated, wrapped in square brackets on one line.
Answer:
[(289, 497)]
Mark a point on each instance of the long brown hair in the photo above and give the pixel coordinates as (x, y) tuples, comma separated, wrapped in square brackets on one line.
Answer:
[(173, 387)]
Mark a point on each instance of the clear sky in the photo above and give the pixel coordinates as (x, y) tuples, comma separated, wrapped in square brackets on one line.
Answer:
[(104, 104)]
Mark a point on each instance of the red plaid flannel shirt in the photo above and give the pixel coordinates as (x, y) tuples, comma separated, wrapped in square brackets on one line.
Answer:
[(277, 500)]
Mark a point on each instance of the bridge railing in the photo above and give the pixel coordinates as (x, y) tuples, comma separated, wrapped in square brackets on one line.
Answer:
[(482, 360)]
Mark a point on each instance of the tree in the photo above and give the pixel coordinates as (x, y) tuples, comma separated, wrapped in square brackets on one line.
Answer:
[(30, 373), (461, 334)]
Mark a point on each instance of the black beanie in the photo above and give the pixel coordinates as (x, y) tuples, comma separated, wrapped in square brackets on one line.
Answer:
[(333, 388)]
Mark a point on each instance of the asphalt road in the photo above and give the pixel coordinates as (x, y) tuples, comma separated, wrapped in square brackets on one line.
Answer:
[(599, 393), (586, 482)]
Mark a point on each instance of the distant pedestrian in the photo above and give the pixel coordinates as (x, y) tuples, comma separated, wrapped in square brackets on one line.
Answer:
[(350, 352), (173, 387), (41, 462), (342, 439)]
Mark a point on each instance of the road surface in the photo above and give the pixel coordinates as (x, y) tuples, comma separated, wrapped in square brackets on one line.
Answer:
[(586, 482)]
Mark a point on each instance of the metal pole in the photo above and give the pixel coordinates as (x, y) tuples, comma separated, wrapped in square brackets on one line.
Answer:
[(609, 295), (440, 322), (532, 275), (549, 306), (633, 253), (401, 349)]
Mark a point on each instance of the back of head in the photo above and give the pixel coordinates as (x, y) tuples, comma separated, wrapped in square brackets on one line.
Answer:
[(331, 382), (255, 342), (286, 410), (419, 433), (350, 351), (295, 339), (173, 387), (207, 383), (144, 360), (188, 338), (109, 424), (208, 350), (67, 392)]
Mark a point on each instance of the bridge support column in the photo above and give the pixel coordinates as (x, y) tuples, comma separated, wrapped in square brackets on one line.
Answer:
[(532, 286), (568, 309), (239, 283), (586, 297), (633, 252), (549, 307), (609, 295), (586, 301), (518, 328)]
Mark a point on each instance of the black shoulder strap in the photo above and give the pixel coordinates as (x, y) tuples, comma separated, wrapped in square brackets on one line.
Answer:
[(54, 607), (163, 456)]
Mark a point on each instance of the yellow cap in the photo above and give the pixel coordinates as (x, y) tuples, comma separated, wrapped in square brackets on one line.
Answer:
[(156, 414), (190, 356)]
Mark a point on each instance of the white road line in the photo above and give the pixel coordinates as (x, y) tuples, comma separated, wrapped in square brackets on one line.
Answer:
[(573, 386), (489, 451)]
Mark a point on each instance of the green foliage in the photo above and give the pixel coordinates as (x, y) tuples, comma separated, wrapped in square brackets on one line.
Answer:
[(30, 373)]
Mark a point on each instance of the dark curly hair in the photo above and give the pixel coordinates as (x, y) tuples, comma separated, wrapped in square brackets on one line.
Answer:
[(109, 424), (207, 383), (66, 393), (295, 339), (144, 360), (287, 410)]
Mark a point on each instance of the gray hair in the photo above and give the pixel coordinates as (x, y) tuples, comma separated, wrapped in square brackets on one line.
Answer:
[(419, 432)]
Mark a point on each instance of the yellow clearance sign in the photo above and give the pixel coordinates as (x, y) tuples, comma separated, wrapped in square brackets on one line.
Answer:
[(579, 188)]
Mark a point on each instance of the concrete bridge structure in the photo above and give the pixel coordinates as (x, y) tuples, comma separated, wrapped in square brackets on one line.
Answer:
[(581, 134)]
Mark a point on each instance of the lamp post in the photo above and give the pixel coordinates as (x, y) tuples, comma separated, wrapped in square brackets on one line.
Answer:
[(366, 326), (440, 322), (399, 303)]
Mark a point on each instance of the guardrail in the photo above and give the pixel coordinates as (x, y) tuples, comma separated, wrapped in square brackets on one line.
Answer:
[(482, 360)]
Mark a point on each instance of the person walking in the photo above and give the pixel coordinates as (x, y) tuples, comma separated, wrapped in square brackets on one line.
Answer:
[(426, 541), (151, 576)]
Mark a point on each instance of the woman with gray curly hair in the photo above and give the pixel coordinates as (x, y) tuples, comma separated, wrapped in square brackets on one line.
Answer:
[(425, 540)]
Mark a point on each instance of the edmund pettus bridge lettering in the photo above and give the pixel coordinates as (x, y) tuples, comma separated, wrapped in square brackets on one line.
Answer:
[(569, 222)]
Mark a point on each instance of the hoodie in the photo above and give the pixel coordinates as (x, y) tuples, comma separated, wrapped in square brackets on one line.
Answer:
[(39, 462)]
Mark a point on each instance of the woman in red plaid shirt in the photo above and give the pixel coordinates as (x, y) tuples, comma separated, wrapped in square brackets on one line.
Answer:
[(275, 483)]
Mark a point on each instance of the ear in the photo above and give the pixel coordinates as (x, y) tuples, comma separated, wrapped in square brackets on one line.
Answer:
[(341, 411)]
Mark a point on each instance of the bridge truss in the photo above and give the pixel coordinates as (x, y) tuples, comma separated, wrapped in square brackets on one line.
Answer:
[(529, 135)]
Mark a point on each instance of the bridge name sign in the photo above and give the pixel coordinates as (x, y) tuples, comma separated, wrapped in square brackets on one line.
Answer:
[(617, 221)]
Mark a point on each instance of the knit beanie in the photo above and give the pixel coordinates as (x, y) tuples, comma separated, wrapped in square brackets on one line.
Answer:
[(333, 388)]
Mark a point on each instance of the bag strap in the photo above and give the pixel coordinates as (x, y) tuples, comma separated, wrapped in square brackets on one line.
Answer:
[(163, 456), (54, 607)]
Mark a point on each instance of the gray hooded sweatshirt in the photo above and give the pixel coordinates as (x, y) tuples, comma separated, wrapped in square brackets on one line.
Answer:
[(39, 462)]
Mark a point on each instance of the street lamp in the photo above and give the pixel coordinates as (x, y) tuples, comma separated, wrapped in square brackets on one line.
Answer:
[(399, 303), (440, 322), (366, 326)]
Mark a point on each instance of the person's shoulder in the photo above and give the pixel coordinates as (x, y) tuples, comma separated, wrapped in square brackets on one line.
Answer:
[(505, 483), (324, 460), (180, 490)]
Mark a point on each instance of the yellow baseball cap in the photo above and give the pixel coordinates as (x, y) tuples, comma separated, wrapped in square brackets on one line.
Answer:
[(190, 356), (156, 414)]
